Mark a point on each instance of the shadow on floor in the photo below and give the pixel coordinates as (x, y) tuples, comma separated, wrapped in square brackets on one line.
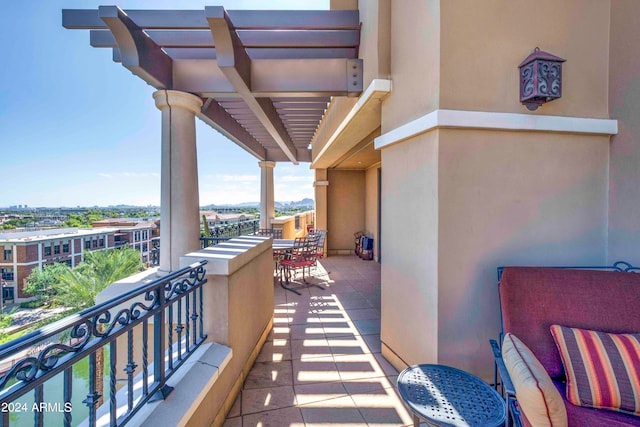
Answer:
[(321, 364)]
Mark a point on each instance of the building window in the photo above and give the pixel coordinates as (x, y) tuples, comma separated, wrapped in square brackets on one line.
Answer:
[(65, 248), (95, 243), (7, 273), (145, 247), (87, 244), (68, 262), (56, 250), (47, 250), (7, 255), (145, 235), (101, 242)]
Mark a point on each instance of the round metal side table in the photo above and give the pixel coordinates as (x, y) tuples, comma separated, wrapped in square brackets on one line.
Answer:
[(447, 397)]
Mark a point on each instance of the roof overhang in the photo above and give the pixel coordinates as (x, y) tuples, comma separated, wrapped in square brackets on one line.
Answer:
[(265, 77), (360, 122)]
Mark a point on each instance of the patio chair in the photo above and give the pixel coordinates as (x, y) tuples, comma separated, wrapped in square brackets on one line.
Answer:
[(276, 233), (322, 235), (302, 255)]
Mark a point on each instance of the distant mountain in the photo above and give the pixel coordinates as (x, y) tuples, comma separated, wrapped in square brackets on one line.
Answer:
[(301, 203), (292, 204)]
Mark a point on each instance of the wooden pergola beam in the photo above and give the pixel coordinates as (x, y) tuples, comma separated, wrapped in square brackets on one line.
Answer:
[(83, 19), (138, 53), (236, 65)]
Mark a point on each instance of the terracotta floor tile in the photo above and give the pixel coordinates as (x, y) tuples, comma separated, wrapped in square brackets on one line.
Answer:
[(267, 399), (336, 416), (306, 331), (309, 348), (311, 393), (235, 410), (289, 417), (373, 342), (321, 364), (269, 374), (363, 314), (315, 370), (233, 422), (276, 350), (367, 327), (355, 367)]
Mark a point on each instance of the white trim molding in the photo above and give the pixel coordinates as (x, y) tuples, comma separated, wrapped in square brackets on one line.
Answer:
[(496, 121)]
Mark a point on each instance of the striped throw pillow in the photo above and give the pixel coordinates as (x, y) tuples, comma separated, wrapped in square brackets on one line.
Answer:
[(602, 369)]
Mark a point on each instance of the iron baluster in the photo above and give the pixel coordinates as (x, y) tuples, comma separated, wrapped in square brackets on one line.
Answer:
[(38, 414), (93, 396), (194, 317), (67, 393), (130, 369), (170, 336), (159, 347), (113, 414), (179, 328), (187, 317), (200, 291), (145, 358)]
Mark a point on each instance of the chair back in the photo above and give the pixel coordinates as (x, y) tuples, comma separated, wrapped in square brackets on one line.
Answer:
[(534, 298), (321, 235), (276, 233), (305, 247)]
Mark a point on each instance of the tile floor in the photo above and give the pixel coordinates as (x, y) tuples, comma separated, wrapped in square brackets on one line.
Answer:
[(321, 364)]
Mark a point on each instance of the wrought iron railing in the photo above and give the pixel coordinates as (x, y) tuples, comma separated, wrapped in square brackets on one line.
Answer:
[(169, 308), (220, 233), (154, 256)]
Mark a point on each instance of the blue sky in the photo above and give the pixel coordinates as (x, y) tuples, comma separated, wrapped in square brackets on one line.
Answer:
[(77, 129)]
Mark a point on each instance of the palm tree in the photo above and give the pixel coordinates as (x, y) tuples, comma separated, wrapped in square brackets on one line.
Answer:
[(79, 287)]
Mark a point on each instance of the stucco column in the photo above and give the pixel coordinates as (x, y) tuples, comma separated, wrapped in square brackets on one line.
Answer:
[(320, 185), (267, 202), (179, 198)]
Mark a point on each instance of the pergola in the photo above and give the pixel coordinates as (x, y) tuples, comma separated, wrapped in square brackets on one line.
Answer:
[(261, 78)]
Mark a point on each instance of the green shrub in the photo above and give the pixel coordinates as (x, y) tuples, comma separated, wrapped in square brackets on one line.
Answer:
[(32, 304)]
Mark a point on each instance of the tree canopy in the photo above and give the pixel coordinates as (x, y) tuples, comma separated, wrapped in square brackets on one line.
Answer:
[(78, 287)]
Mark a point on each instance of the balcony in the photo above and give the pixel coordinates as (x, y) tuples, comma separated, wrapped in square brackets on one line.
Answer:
[(41, 372), (237, 350)]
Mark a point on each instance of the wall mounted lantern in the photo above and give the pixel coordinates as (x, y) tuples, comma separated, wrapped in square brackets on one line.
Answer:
[(540, 79)]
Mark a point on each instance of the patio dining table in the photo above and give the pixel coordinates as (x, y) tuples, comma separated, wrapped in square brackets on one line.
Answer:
[(282, 245), (280, 249)]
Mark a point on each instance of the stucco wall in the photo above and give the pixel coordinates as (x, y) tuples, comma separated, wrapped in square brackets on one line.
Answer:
[(459, 203), (505, 199), (371, 207), (624, 98), (415, 62), (482, 44), (345, 208), (375, 40), (489, 198), (409, 253)]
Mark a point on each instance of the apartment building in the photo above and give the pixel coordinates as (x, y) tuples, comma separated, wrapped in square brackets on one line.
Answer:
[(134, 233), (21, 252)]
